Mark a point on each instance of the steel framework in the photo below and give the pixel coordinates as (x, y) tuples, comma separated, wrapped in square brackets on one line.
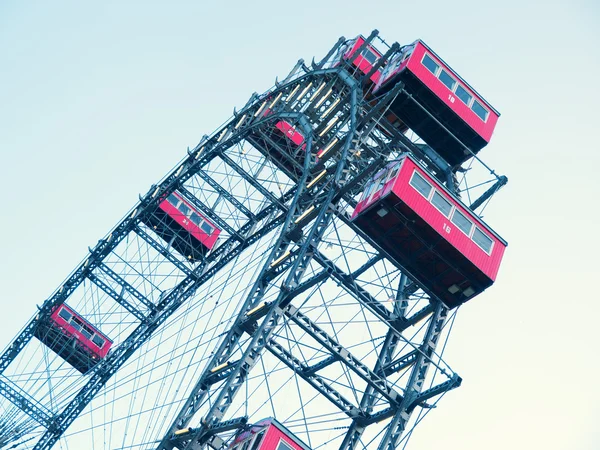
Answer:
[(295, 313)]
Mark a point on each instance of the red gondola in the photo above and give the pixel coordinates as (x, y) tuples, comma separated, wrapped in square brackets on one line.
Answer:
[(452, 253), (284, 134), (290, 132), (73, 338), (365, 61), (446, 105), (268, 434), (184, 227)]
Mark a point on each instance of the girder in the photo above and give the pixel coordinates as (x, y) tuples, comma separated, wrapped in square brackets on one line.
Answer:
[(357, 291), (381, 385), (311, 370), (162, 250), (454, 382), (217, 187), (117, 297), (250, 178), (356, 429), (416, 381), (502, 180), (401, 363), (25, 402), (317, 382)]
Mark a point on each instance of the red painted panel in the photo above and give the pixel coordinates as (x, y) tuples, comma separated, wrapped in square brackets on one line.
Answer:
[(360, 62), (270, 440), (290, 132), (365, 202), (208, 240), (390, 72), (484, 129), (488, 264), (72, 331)]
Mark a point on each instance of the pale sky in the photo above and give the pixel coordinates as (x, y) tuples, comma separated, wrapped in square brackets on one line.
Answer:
[(98, 100)]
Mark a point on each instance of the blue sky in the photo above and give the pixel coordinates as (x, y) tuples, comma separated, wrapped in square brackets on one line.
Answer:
[(99, 99)]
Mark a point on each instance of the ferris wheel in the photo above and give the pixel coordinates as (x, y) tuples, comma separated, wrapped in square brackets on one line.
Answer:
[(291, 283)]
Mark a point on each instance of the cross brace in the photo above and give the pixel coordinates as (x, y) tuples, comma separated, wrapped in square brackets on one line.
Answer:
[(25, 402)]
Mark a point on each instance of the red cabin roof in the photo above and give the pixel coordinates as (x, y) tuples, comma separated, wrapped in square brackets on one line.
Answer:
[(267, 434), (406, 211)]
